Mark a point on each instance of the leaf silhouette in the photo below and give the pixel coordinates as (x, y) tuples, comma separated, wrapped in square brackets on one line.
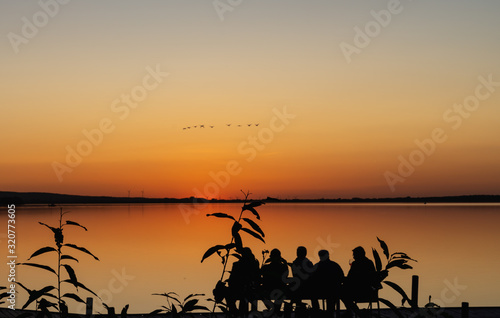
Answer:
[(74, 297), (156, 312), (254, 234), (255, 226), (222, 215), (72, 276), (76, 224), (42, 251), (254, 204), (401, 263), (78, 284), (50, 227), (189, 305), (83, 249), (69, 257), (45, 267), (123, 313), (378, 262), (168, 295), (216, 248), (237, 242), (236, 227), (400, 290), (4, 295), (35, 294), (193, 295), (405, 266), (403, 256), (384, 247), (249, 207), (391, 305), (238, 256), (44, 304), (223, 309)]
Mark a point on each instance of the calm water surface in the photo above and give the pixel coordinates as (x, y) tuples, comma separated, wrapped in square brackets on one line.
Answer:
[(157, 248)]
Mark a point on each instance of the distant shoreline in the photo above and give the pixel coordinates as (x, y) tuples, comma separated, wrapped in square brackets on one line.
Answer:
[(20, 198)]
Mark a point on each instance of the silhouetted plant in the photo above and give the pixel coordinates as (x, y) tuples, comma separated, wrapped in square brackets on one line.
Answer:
[(399, 260), (63, 259), (187, 306), (3, 295), (219, 294), (265, 253), (111, 311), (124, 312), (235, 247)]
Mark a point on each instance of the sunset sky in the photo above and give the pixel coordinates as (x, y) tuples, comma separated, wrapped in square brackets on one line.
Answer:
[(353, 98)]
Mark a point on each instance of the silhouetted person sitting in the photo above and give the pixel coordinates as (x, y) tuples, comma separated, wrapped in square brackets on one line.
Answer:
[(361, 280), (274, 277), (243, 281), (327, 279), (302, 270)]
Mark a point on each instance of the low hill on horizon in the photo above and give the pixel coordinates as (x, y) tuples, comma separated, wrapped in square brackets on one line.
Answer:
[(19, 198)]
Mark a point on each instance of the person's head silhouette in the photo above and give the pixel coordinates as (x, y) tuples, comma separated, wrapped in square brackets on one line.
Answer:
[(246, 253), (275, 255), (301, 252), (323, 255), (358, 253)]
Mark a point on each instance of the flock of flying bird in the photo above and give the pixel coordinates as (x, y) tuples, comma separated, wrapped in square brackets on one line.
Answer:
[(212, 126)]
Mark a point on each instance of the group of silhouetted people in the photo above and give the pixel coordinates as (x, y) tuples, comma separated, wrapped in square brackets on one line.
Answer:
[(248, 282)]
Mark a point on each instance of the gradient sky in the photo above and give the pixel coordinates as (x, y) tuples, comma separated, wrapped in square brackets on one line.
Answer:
[(355, 117)]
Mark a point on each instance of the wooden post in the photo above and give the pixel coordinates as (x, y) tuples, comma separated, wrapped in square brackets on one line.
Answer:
[(89, 310), (465, 310), (414, 290)]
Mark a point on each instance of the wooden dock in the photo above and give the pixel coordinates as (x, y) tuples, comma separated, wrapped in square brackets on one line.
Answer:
[(455, 312)]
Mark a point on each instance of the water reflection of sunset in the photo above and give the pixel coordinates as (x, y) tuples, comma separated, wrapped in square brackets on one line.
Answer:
[(153, 249)]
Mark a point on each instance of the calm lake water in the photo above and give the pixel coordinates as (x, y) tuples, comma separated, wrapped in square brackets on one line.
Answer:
[(157, 248)]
